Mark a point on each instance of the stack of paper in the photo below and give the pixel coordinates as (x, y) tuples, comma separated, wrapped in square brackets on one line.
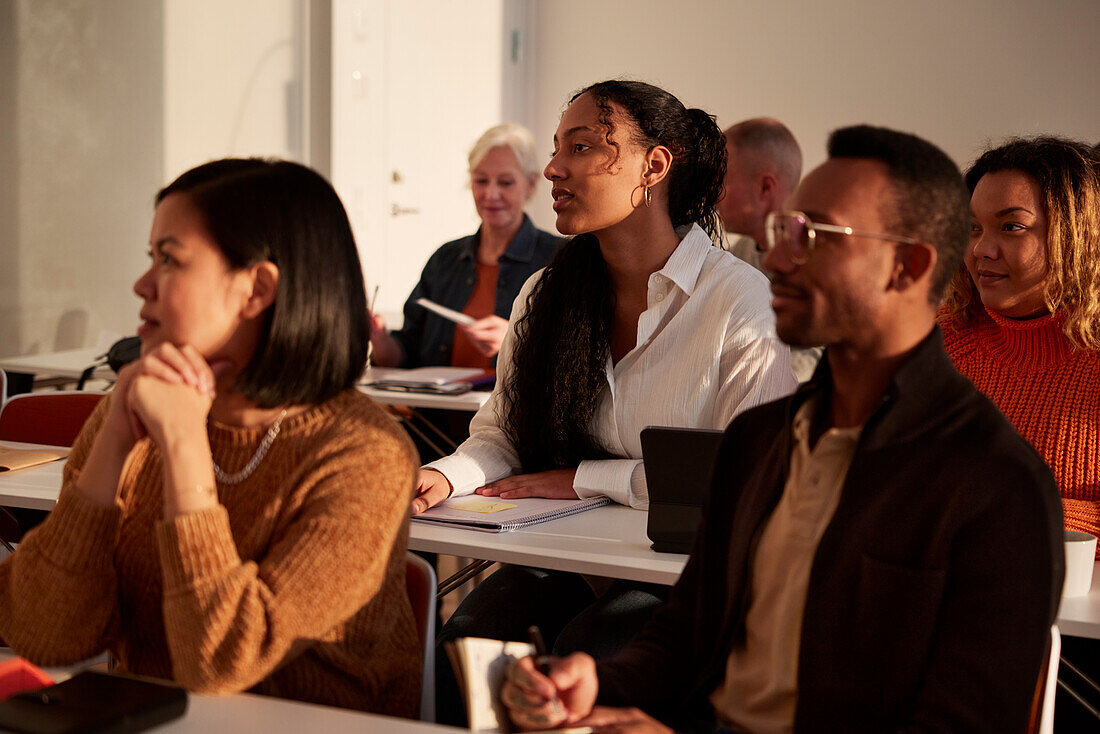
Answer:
[(494, 515), (443, 380)]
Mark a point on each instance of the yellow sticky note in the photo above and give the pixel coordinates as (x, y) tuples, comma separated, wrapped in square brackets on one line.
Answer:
[(482, 505)]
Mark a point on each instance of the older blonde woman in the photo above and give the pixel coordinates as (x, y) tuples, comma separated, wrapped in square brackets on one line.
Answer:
[(479, 275), (1022, 318)]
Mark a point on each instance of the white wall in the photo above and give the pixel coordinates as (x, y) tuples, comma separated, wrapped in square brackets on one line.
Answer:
[(958, 72), (102, 102), (80, 151), (232, 81)]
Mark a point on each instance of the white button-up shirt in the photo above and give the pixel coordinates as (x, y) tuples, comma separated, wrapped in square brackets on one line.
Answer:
[(706, 350)]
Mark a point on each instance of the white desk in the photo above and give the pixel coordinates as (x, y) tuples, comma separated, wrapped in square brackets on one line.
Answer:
[(249, 713), (467, 401), (1079, 616), (609, 541), (70, 363), (245, 712), (35, 488)]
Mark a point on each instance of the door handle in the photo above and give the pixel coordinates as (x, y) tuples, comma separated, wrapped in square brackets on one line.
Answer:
[(397, 210)]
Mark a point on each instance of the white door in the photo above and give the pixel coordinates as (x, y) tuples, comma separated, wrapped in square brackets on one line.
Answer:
[(415, 83)]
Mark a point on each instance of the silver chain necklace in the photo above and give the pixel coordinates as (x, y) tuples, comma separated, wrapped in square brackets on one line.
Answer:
[(261, 451)]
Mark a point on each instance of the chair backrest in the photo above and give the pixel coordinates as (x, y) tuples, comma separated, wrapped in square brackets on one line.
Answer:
[(53, 418), (1042, 705), (420, 584)]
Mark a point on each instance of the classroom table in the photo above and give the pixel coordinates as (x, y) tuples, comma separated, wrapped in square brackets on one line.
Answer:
[(608, 541), (467, 401), (35, 488), (69, 364), (408, 406), (1079, 616), (251, 713), (245, 712)]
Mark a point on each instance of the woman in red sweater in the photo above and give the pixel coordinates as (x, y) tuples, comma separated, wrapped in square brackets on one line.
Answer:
[(1022, 318)]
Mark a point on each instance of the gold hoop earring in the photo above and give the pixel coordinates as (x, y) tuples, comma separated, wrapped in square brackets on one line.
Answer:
[(646, 196)]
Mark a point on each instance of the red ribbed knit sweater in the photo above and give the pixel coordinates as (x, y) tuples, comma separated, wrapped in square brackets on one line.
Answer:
[(1048, 390)]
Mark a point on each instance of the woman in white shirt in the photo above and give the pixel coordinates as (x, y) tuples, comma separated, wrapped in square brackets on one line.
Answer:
[(637, 321)]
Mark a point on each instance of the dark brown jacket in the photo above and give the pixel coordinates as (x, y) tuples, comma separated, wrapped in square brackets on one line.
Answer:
[(931, 593)]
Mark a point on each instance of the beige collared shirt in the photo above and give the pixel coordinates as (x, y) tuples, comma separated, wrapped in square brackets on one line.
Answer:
[(760, 687)]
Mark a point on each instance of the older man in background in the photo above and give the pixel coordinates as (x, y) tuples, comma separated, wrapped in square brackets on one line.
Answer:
[(765, 164)]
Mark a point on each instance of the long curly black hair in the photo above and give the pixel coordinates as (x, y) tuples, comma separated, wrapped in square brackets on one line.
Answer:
[(563, 339)]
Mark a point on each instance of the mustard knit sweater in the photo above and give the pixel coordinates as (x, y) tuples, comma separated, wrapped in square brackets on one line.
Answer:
[(293, 586), (1048, 390)]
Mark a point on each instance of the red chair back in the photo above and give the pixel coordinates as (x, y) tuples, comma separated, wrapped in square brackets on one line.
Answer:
[(49, 418), (421, 586)]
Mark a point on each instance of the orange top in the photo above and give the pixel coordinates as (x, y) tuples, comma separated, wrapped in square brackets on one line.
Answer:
[(481, 304), (1050, 392)]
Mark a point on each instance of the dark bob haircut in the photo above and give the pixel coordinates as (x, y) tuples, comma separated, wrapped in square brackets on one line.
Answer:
[(314, 341), (931, 202)]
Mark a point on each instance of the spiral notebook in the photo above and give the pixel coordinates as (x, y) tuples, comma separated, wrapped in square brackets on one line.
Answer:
[(494, 515)]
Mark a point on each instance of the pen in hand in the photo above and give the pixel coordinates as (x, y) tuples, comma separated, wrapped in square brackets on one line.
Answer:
[(542, 656)]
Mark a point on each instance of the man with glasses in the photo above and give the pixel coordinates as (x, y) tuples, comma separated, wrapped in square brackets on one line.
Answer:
[(880, 551)]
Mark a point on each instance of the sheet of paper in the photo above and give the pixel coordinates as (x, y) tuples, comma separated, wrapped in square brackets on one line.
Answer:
[(447, 313), (484, 506)]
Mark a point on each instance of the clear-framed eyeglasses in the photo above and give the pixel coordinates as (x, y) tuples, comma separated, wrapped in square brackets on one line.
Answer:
[(797, 234)]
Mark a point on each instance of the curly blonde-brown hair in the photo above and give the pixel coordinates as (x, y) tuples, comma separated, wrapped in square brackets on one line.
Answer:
[(1068, 174)]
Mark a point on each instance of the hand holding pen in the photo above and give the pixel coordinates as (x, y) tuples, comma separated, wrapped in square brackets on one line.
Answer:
[(544, 692)]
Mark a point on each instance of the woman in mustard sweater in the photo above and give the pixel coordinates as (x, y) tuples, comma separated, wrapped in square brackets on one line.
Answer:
[(1022, 319), (234, 516)]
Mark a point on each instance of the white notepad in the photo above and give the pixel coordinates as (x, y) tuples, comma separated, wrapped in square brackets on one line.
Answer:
[(481, 666), (496, 515), (447, 313)]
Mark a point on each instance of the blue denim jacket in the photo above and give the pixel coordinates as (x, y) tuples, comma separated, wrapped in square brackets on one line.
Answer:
[(449, 278)]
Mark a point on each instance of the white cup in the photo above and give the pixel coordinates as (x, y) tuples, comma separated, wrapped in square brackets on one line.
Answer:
[(1080, 555)]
